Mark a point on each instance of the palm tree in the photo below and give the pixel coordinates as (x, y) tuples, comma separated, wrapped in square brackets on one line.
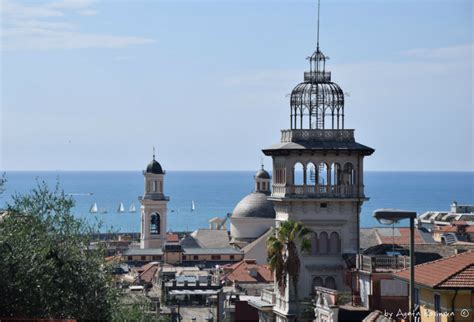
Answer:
[(282, 252)]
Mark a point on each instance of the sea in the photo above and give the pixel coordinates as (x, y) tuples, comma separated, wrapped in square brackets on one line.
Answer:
[(216, 193)]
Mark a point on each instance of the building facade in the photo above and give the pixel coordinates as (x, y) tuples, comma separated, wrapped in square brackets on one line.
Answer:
[(318, 181)]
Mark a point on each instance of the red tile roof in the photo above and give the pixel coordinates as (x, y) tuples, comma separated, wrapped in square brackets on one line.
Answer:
[(402, 239), (451, 272), (172, 238), (467, 229), (241, 272), (147, 272)]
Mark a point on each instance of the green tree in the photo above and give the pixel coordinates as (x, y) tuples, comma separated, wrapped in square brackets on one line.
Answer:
[(48, 269), (283, 258)]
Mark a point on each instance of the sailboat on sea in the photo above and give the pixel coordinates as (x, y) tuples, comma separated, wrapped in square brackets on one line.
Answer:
[(93, 208), (193, 206), (121, 208), (132, 208)]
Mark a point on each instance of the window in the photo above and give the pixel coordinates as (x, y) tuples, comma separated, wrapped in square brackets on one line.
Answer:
[(323, 205), (323, 174), (231, 256), (258, 186), (129, 258), (334, 243), (349, 174), (314, 244), (157, 257), (317, 281), (154, 186), (323, 243), (143, 258), (183, 257), (298, 174), (196, 257), (216, 257), (330, 283), (155, 224)]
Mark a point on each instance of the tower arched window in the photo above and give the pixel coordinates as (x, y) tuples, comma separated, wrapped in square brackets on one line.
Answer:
[(298, 174), (330, 282), (323, 243), (154, 186), (317, 281), (334, 243), (323, 174), (311, 173), (314, 244), (349, 173), (155, 224), (335, 174)]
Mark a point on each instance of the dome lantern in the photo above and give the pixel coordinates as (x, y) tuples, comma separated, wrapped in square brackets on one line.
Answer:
[(317, 102)]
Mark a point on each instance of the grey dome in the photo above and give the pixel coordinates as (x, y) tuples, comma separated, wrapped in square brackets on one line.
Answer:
[(154, 167), (254, 205), (262, 174)]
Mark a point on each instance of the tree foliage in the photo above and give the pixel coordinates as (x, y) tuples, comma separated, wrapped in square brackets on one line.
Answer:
[(283, 258), (48, 268)]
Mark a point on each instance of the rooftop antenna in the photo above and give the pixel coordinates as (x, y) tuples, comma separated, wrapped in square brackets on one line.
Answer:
[(317, 46)]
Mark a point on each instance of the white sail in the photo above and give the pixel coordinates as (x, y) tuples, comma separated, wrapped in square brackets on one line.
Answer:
[(193, 206), (121, 208), (93, 209), (132, 208)]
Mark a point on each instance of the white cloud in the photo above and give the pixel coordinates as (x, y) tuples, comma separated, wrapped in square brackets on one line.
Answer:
[(88, 12), (36, 27), (447, 53), (70, 4)]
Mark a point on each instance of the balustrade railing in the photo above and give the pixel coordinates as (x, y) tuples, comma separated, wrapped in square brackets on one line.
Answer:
[(330, 191), (268, 296), (382, 263)]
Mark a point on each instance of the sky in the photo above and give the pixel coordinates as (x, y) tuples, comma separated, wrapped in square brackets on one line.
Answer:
[(94, 85)]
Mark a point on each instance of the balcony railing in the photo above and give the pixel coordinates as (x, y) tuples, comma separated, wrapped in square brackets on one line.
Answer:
[(268, 296), (321, 191), (382, 263), (317, 135), (317, 77)]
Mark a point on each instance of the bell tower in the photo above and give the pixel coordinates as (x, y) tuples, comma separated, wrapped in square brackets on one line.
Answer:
[(318, 181), (153, 207)]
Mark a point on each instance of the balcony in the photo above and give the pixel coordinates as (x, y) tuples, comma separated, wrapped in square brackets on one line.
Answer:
[(268, 296), (317, 135), (318, 191), (382, 263)]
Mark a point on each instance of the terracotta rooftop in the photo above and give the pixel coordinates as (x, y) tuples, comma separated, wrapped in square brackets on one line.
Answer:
[(174, 238), (467, 229), (401, 236), (241, 272), (147, 272), (450, 272)]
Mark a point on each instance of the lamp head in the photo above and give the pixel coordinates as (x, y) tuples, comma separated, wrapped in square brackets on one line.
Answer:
[(391, 216)]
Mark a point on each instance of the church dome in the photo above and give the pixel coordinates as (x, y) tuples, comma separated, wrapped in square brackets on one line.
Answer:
[(262, 174), (154, 167), (254, 205)]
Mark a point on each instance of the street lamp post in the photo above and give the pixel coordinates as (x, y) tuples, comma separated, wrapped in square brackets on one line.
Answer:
[(389, 217)]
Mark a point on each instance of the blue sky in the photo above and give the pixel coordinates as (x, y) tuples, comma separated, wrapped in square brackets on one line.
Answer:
[(93, 85)]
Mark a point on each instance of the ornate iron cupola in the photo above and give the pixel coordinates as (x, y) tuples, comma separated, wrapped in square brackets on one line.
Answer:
[(317, 103)]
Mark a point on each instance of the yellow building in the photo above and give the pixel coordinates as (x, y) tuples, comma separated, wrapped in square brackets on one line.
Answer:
[(444, 289)]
